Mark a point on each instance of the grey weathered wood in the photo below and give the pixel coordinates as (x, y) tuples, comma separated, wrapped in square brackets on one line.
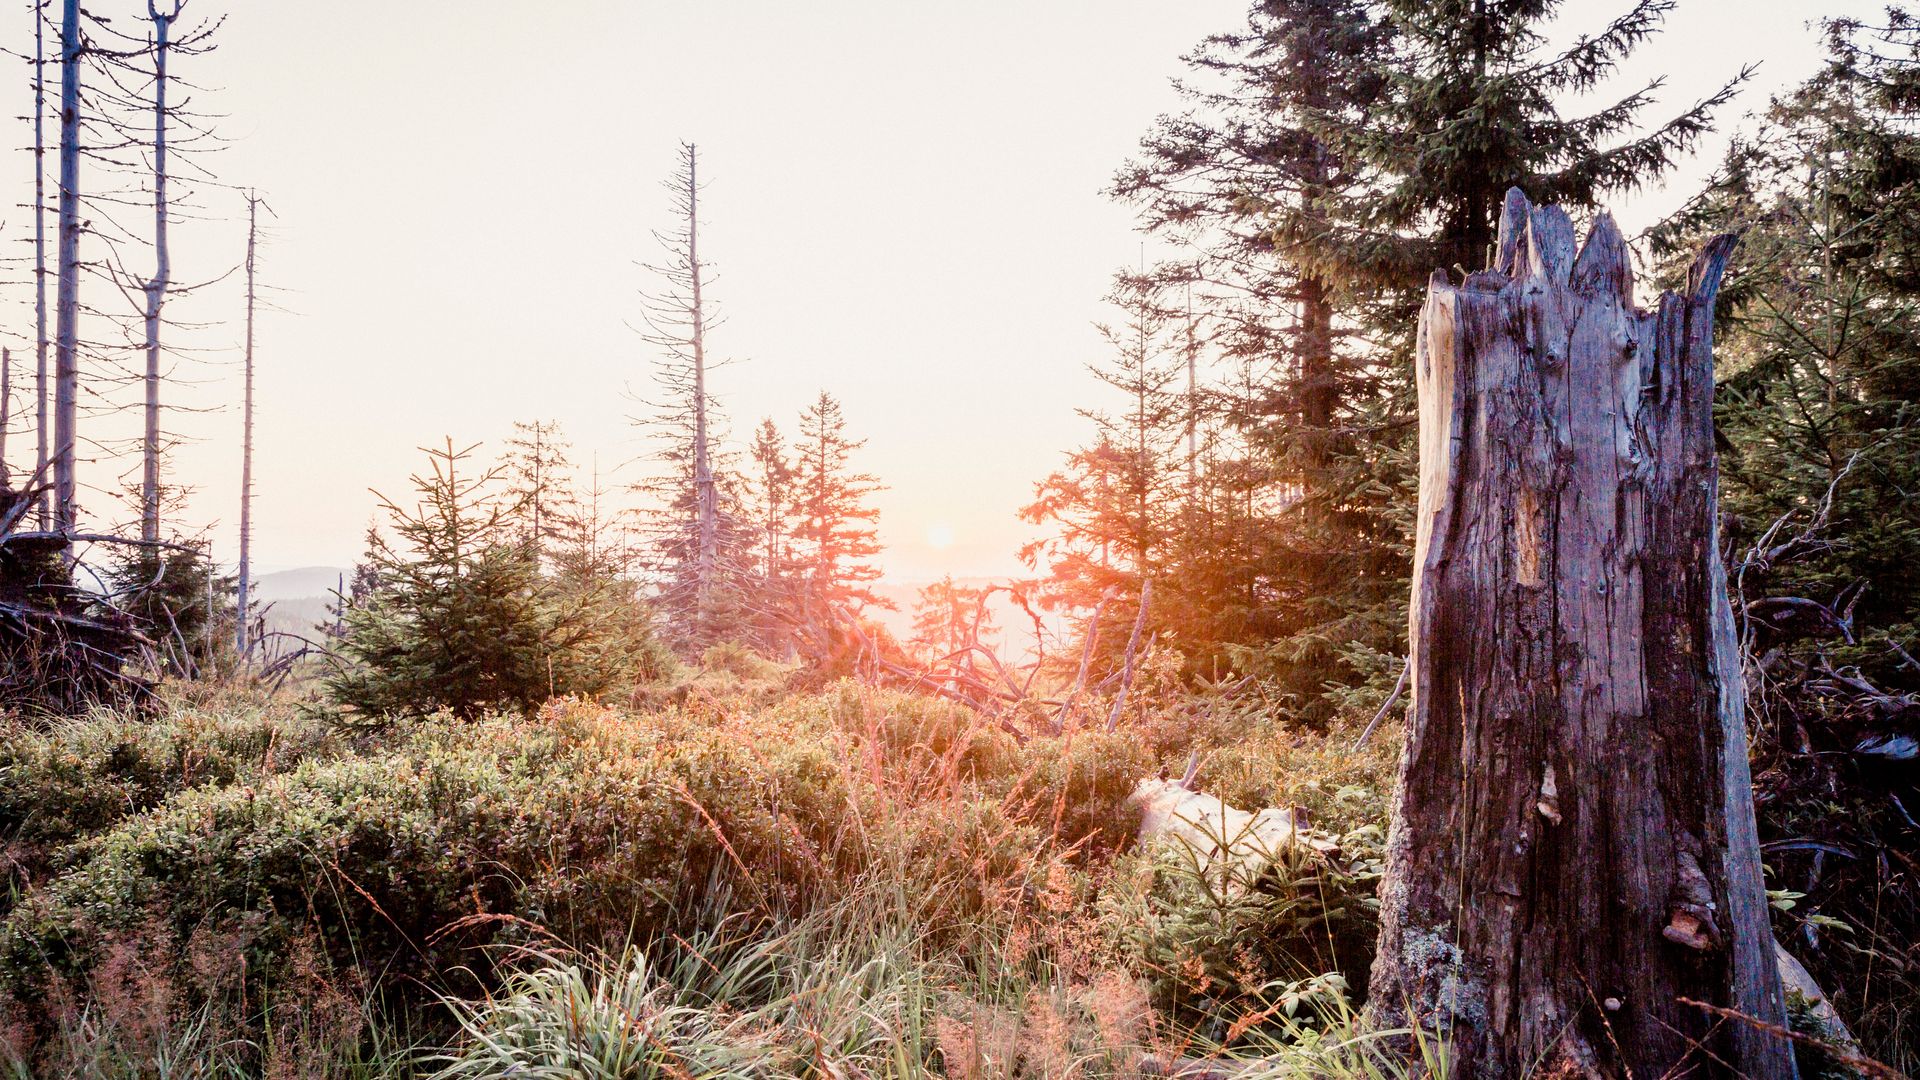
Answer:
[(1133, 648), (40, 456), (66, 362), (1549, 245), (243, 580), (6, 409), (706, 490), (156, 287), (1573, 845), (1512, 233)]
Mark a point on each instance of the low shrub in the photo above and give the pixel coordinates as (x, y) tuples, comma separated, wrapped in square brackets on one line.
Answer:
[(71, 779), (400, 863), (1078, 785), (238, 857), (741, 662)]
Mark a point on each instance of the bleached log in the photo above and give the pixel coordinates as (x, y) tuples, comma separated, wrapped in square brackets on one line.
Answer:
[(1239, 845)]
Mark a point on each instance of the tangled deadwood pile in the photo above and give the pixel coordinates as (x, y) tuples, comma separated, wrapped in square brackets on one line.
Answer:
[(1835, 715), (62, 649)]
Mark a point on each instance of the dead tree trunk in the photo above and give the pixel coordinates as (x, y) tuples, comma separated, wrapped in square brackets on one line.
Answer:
[(244, 578), (40, 257), (156, 287), (6, 410), (1573, 848), (706, 496), (66, 374)]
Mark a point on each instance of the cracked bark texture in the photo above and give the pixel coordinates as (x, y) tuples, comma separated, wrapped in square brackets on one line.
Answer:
[(1573, 846)]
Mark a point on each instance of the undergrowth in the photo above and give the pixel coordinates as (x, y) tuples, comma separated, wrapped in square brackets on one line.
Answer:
[(840, 883)]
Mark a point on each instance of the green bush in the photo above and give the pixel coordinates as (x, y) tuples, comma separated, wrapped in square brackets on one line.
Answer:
[(236, 855), (916, 739), (1078, 785), (741, 662), (590, 827), (62, 782)]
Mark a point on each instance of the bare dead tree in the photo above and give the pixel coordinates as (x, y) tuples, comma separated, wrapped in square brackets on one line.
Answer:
[(1133, 647), (66, 392), (243, 581), (41, 507), (156, 286), (122, 125), (699, 543), (707, 506), (1087, 641), (80, 634), (6, 410), (136, 108), (1193, 401)]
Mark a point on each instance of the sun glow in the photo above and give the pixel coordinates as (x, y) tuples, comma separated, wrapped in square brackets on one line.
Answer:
[(940, 537)]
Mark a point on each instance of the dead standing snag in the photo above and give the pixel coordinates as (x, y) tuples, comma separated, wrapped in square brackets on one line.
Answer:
[(1574, 820)]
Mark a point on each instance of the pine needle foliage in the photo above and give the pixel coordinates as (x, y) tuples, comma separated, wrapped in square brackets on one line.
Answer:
[(459, 615), (1332, 155)]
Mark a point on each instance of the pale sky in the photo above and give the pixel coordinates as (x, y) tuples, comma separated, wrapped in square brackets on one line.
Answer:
[(903, 207)]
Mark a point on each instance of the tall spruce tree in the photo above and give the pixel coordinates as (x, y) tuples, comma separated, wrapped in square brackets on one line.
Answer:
[(1333, 153), (1113, 510), (1248, 179), (1475, 108)]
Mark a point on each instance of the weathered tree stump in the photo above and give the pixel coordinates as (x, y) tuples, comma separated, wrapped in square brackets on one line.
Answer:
[(1573, 849)]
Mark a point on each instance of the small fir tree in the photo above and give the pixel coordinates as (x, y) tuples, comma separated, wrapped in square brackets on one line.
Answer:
[(834, 540), (457, 615)]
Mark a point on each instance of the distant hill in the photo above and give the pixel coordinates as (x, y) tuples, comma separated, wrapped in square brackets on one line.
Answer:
[(305, 582), (297, 600)]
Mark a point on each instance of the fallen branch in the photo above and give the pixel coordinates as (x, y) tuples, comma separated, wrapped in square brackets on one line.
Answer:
[(1192, 1068), (1126, 668), (1399, 687), (1860, 1063), (1086, 658)]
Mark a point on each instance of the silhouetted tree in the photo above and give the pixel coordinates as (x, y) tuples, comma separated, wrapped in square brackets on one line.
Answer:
[(1114, 509), (833, 538), (948, 618)]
